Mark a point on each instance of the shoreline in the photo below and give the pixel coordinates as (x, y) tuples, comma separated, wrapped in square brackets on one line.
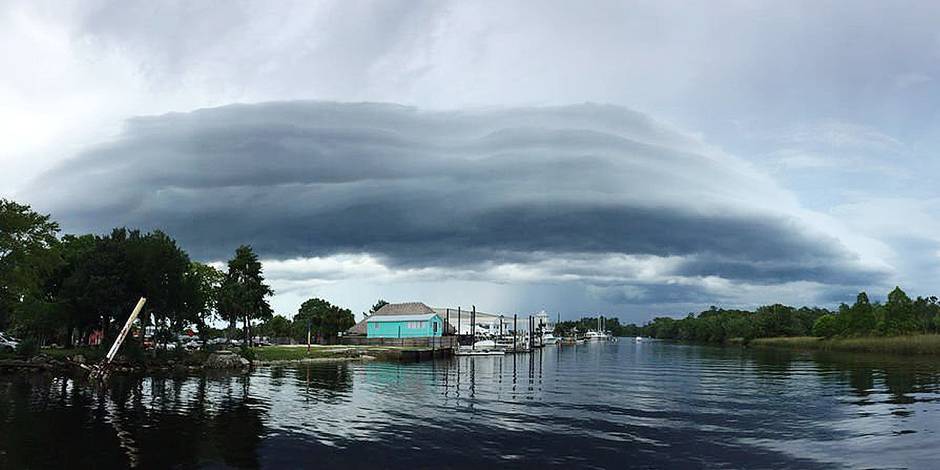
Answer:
[(73, 361), (909, 345)]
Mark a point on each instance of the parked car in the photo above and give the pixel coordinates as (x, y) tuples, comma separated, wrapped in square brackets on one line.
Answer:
[(8, 343)]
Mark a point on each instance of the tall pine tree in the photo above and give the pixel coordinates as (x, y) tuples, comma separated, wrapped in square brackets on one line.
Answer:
[(244, 294)]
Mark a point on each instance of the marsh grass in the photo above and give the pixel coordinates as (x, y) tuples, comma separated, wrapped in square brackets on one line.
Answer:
[(905, 345)]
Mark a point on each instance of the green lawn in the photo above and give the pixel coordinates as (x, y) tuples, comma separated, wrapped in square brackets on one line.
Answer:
[(289, 353), (906, 345), (91, 354)]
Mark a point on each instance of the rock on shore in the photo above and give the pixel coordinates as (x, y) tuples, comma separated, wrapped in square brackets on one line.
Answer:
[(226, 360)]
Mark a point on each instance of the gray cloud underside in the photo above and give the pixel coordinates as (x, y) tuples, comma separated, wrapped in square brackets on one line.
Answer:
[(422, 188)]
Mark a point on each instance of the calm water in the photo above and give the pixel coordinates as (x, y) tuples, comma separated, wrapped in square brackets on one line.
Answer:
[(603, 405)]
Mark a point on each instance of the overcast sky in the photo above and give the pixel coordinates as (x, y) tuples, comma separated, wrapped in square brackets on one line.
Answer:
[(622, 158)]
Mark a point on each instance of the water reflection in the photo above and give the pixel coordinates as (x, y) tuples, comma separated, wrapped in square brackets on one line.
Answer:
[(602, 405)]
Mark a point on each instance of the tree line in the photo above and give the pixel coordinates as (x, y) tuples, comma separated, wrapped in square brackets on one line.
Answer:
[(899, 315), (63, 289)]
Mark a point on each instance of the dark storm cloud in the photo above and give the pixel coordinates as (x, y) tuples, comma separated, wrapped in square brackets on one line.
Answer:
[(439, 189)]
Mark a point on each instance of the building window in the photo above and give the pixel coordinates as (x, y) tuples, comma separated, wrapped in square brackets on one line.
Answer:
[(434, 326)]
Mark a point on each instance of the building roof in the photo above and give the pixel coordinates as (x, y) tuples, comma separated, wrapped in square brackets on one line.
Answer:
[(392, 318), (407, 308), (420, 308)]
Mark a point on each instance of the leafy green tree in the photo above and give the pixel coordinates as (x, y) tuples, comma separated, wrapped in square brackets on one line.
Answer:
[(157, 271), (244, 293), (277, 326), (27, 239), (826, 326), (899, 313), (103, 277), (67, 288), (926, 310), (327, 320), (202, 285), (861, 319)]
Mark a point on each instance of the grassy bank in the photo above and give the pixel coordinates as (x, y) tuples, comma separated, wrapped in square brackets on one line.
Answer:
[(290, 353), (906, 345)]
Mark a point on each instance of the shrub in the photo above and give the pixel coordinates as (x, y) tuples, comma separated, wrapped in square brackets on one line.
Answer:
[(247, 353), (27, 348), (133, 351)]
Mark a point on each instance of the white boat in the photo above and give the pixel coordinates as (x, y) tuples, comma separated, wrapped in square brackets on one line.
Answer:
[(469, 351), (485, 344), (592, 335), (548, 338)]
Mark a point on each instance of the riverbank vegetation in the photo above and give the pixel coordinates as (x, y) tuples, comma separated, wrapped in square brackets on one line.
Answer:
[(900, 325), (79, 289), (905, 345), (900, 315)]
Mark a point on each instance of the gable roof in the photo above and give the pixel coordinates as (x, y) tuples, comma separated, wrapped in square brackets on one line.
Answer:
[(407, 308), (394, 318)]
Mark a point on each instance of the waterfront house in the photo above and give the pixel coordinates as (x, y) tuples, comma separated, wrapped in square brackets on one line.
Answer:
[(406, 308), (404, 326)]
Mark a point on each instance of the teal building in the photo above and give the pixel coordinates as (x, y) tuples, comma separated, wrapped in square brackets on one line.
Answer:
[(404, 326)]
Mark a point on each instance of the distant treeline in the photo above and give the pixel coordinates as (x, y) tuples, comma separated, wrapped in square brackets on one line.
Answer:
[(611, 325), (898, 316)]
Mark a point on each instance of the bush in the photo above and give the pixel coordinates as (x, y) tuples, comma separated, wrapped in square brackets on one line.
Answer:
[(247, 353), (27, 348), (133, 351)]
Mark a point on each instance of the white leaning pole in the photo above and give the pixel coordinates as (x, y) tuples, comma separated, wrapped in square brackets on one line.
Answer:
[(102, 368)]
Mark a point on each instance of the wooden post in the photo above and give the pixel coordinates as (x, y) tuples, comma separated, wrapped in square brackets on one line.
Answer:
[(515, 326), (473, 327), (458, 326), (102, 369)]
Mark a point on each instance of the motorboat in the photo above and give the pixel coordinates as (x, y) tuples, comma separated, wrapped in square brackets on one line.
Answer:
[(592, 335), (548, 338), (471, 351)]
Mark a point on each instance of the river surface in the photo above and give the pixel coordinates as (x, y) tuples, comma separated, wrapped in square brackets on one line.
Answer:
[(610, 405)]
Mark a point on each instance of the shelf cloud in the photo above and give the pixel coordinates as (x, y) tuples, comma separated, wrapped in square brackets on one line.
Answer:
[(475, 193)]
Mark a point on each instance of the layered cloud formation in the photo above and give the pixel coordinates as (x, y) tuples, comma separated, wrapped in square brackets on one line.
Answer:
[(599, 196)]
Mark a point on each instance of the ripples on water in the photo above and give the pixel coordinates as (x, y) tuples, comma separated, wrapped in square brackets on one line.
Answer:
[(612, 405)]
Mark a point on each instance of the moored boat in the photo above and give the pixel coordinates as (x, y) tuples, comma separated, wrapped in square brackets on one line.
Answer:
[(470, 351), (548, 338)]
